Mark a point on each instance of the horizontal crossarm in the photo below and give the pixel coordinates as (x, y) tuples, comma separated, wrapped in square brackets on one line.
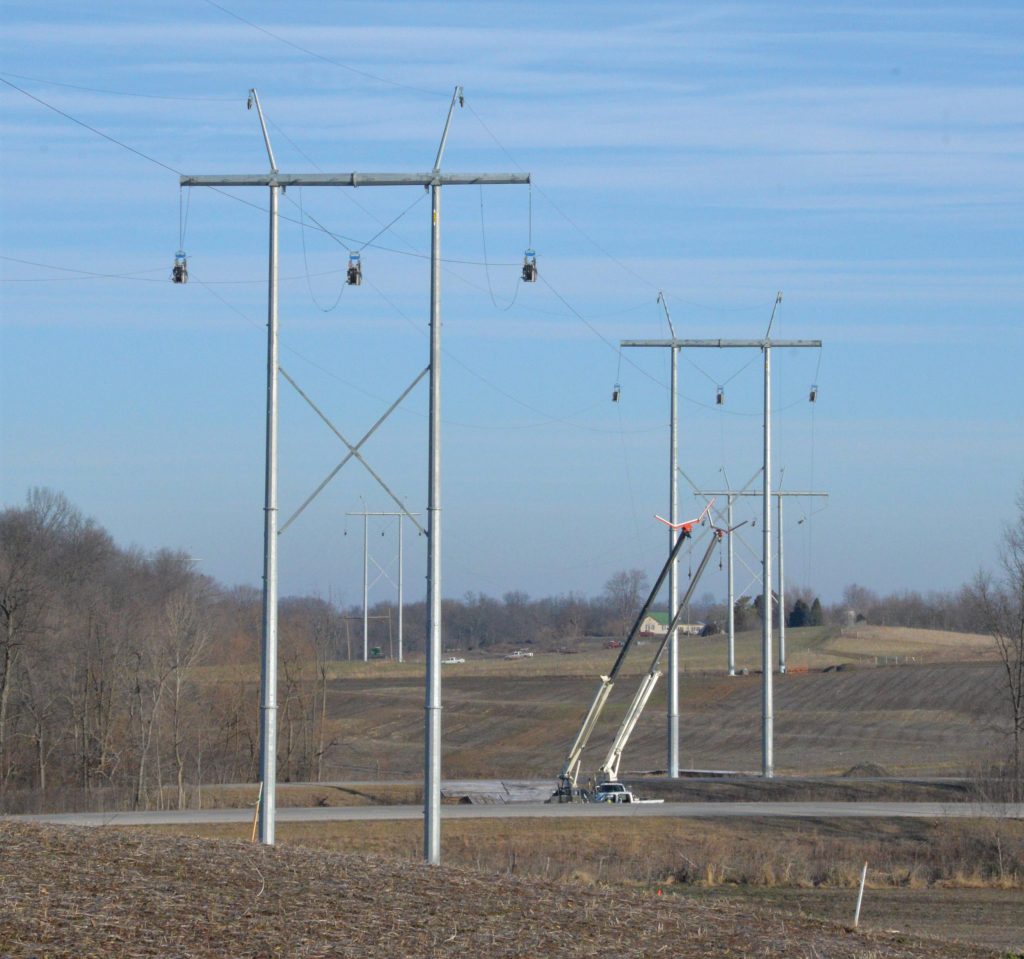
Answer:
[(721, 344), (354, 179)]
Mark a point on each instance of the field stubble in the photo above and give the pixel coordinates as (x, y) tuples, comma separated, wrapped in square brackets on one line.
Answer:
[(91, 893), (913, 720), (960, 879)]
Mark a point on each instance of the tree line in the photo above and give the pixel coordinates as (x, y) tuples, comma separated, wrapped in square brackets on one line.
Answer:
[(127, 677)]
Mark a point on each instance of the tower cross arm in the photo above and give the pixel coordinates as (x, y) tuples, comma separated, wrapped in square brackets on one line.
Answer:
[(353, 179), (757, 492), (721, 344)]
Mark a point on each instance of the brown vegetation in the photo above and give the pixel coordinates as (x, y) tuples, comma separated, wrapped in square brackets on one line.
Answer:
[(96, 893), (771, 852), (1000, 604)]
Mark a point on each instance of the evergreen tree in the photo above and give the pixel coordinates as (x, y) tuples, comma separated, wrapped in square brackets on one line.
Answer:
[(799, 615), (815, 617)]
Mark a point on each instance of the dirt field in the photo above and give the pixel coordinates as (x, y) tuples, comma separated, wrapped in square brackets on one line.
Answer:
[(812, 647), (518, 723), (984, 917), (98, 893), (914, 702)]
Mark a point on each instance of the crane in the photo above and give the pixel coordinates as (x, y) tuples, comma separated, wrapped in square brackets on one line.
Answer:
[(609, 769), (567, 789)]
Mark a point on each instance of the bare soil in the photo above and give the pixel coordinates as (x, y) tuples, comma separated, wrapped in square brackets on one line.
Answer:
[(804, 789), (100, 893), (309, 795), (914, 702), (985, 917), (922, 720)]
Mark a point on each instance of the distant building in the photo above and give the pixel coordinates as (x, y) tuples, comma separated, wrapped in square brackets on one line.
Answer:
[(656, 624)]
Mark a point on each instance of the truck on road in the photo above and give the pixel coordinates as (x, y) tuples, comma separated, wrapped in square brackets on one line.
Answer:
[(617, 792)]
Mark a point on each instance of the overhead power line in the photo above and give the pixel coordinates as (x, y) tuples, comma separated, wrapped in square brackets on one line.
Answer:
[(118, 93), (320, 56), (341, 238), (79, 274), (91, 129)]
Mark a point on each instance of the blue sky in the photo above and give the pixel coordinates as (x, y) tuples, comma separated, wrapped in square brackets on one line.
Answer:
[(868, 162)]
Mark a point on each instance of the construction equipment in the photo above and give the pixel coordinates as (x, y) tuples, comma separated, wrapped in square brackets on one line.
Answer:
[(567, 789), (609, 770)]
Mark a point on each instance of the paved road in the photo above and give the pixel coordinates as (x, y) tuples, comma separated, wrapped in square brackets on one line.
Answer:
[(684, 810)]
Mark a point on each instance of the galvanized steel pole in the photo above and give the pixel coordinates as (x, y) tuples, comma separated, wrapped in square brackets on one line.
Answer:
[(731, 589), (765, 345), (673, 573), (782, 595), (401, 524), (268, 711), (767, 715), (401, 574), (268, 666), (432, 745), (268, 670), (779, 495), (366, 586), (673, 578)]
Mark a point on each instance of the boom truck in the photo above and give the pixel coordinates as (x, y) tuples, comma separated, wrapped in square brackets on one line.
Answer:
[(568, 788)]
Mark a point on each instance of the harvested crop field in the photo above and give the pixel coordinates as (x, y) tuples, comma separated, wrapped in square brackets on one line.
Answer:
[(92, 893), (915, 720)]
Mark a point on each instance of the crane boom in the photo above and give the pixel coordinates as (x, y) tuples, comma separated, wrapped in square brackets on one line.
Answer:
[(567, 789), (609, 770)]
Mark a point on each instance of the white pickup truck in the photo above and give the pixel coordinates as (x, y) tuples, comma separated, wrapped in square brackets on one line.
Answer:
[(613, 792), (618, 793)]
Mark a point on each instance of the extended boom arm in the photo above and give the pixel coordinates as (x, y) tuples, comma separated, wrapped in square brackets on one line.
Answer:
[(609, 770), (570, 771)]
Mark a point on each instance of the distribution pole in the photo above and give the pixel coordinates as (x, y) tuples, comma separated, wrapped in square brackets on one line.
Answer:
[(268, 712), (765, 345)]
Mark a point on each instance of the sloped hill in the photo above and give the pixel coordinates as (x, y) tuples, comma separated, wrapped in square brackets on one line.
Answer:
[(92, 893)]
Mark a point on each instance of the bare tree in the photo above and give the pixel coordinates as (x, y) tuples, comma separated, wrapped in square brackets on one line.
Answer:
[(624, 594), (185, 638), (324, 634), (43, 703), (1000, 601), (43, 549), (25, 541)]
